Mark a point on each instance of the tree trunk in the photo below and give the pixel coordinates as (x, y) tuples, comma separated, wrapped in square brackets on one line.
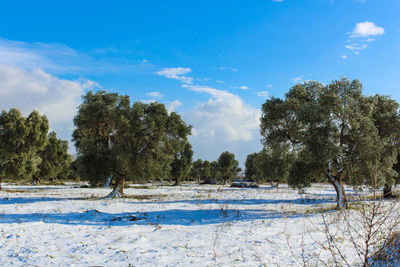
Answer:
[(108, 182), (388, 191), (177, 182), (272, 184), (340, 192), (118, 190), (35, 180), (0, 183)]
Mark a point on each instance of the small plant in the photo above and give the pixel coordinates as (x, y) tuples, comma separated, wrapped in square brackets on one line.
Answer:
[(369, 229)]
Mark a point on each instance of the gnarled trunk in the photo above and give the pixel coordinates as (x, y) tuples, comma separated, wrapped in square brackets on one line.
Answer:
[(118, 190), (340, 192)]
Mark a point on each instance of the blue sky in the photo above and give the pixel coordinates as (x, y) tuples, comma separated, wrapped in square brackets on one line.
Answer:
[(214, 62)]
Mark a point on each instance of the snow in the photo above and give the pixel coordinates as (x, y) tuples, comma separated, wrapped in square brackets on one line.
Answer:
[(206, 225)]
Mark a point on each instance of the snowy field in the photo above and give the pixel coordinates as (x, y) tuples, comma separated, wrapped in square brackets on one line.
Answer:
[(162, 226)]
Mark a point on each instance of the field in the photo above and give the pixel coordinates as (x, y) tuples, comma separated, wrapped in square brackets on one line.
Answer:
[(185, 225)]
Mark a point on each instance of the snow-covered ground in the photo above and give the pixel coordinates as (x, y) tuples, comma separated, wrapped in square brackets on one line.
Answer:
[(161, 226)]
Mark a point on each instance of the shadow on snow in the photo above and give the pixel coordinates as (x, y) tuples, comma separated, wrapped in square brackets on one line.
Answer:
[(28, 200), (164, 217), (297, 201)]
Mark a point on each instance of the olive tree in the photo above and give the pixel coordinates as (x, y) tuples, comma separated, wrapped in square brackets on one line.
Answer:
[(115, 139), (334, 132), (228, 166), (182, 163), (20, 141)]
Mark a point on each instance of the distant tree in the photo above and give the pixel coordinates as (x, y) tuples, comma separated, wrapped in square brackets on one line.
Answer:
[(196, 170), (215, 172), (250, 168), (386, 118), (182, 163), (55, 160), (73, 172), (114, 139), (206, 176), (20, 141), (228, 166), (273, 165), (335, 132)]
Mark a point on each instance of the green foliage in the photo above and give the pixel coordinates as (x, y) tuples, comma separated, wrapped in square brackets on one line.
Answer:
[(56, 162), (196, 170), (138, 142), (20, 141), (215, 172), (228, 166), (223, 170), (334, 132), (180, 166), (206, 171), (273, 164), (251, 172)]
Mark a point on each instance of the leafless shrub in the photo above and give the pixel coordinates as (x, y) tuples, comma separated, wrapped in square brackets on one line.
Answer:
[(367, 234), (367, 228)]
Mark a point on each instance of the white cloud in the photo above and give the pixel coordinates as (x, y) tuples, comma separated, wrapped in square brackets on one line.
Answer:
[(361, 36), (224, 113), (223, 123), (177, 74), (344, 56), (56, 98), (356, 46), (268, 85), (297, 79), (366, 29), (171, 106), (244, 87), (148, 101), (229, 68), (264, 94), (32, 55), (221, 82), (155, 94), (61, 59)]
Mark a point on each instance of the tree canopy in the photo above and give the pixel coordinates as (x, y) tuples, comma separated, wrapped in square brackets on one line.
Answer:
[(116, 139), (269, 165), (228, 166), (335, 132), (56, 160), (20, 141), (182, 163)]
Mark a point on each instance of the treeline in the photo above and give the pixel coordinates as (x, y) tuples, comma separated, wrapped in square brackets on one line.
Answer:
[(220, 171), (316, 133), (115, 142), (28, 151)]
